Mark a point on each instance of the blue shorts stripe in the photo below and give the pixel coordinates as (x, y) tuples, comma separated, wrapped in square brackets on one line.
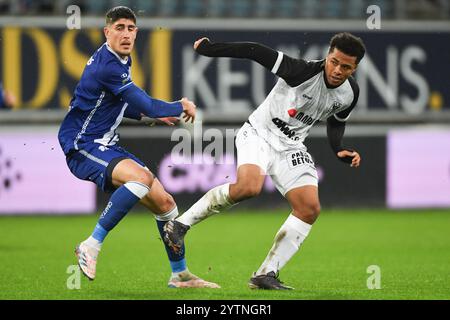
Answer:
[(91, 164), (94, 158)]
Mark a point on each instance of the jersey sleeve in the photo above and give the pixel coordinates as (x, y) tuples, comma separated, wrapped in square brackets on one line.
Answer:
[(345, 114), (114, 77), (296, 71), (293, 71), (257, 52), (141, 102)]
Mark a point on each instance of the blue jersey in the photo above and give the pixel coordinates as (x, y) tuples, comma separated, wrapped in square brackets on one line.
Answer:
[(96, 108)]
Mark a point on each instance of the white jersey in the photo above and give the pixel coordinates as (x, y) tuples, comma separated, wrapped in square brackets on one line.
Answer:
[(300, 98)]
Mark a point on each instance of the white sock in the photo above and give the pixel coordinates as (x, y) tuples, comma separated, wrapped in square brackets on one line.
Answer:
[(212, 202), (93, 243), (182, 275), (172, 214), (286, 244)]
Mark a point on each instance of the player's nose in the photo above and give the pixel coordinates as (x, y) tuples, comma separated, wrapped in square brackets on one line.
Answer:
[(338, 70)]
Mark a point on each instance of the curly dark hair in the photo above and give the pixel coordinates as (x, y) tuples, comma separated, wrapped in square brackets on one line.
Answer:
[(348, 44)]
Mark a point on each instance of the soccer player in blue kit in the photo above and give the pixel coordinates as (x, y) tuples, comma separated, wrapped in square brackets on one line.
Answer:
[(104, 95)]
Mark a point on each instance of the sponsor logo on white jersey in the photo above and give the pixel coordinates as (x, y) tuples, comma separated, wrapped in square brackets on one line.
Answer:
[(285, 129)]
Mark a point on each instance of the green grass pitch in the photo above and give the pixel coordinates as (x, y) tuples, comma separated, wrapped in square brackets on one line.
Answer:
[(412, 249)]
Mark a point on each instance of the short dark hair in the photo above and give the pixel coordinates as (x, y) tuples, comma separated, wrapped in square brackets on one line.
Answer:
[(120, 12), (348, 44)]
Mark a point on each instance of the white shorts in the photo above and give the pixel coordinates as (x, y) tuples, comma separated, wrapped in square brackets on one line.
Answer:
[(288, 170)]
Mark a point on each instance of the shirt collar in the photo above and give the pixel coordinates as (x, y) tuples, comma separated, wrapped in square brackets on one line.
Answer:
[(124, 61)]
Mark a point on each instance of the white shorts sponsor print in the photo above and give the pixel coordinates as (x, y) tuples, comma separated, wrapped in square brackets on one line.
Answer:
[(288, 169)]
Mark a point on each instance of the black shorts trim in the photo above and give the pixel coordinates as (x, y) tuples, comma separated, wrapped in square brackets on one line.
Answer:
[(109, 170)]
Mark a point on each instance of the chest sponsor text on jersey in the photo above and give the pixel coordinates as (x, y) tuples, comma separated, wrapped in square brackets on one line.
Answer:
[(285, 129), (301, 116)]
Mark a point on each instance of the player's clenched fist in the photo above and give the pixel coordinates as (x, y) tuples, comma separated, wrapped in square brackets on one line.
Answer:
[(356, 158), (188, 109), (197, 43)]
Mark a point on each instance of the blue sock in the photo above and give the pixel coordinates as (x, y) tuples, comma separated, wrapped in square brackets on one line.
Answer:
[(121, 201), (99, 233), (177, 260)]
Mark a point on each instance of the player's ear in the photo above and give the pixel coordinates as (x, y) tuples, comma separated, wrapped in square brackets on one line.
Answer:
[(106, 31)]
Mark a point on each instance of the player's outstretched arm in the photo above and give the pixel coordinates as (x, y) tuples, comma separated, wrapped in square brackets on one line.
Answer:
[(139, 102), (133, 113), (293, 71), (335, 133), (259, 53)]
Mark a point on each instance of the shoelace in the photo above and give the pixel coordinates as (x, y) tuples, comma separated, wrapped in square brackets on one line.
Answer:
[(276, 277)]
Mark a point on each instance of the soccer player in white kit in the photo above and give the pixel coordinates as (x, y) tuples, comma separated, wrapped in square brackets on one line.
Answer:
[(271, 142)]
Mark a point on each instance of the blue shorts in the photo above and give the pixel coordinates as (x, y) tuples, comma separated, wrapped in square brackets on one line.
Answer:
[(96, 162)]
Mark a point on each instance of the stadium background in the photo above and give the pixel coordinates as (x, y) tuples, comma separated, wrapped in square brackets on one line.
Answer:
[(400, 126)]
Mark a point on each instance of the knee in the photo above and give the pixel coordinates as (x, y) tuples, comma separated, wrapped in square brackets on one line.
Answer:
[(144, 177), (245, 191), (308, 212)]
